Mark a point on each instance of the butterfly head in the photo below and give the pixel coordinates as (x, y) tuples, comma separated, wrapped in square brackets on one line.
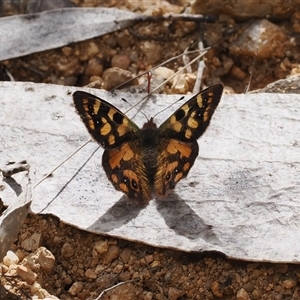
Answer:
[(150, 124)]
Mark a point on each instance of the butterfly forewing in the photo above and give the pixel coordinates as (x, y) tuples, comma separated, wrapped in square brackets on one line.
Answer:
[(105, 123), (190, 121)]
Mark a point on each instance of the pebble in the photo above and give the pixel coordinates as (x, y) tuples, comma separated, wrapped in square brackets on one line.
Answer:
[(249, 287), (94, 67), (261, 39), (32, 243), (41, 293), (101, 246), (106, 281), (122, 39), (76, 288), (67, 51), (45, 258), (238, 73), (215, 288), (125, 255), (112, 253), (90, 273), (281, 268), (90, 50), (112, 77), (10, 258), (242, 295), (40, 259), (182, 83), (67, 250), (121, 61), (164, 72), (256, 294), (26, 274), (174, 294), (289, 283), (152, 51)]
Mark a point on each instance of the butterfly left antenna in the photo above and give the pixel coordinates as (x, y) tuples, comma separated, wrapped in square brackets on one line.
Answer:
[(133, 106)]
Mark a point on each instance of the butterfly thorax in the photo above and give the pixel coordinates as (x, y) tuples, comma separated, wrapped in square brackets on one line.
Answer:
[(149, 145)]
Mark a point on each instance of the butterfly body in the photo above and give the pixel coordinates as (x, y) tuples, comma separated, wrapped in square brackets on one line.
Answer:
[(149, 161)]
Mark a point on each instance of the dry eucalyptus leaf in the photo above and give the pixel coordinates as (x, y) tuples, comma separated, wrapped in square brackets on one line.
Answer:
[(240, 198), (13, 217), (57, 28)]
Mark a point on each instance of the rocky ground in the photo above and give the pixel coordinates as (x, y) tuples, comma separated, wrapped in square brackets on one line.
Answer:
[(55, 261)]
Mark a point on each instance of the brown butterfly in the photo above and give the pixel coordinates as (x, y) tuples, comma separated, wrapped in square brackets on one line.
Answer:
[(150, 160)]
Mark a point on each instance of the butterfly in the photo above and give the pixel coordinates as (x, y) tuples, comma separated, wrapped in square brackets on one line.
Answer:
[(148, 161)]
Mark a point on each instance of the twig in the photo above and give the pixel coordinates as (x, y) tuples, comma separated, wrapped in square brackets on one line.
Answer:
[(58, 166), (168, 79), (152, 69), (200, 70), (113, 287)]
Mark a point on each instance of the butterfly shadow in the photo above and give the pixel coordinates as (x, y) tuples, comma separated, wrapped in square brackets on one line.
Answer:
[(180, 217), (117, 216)]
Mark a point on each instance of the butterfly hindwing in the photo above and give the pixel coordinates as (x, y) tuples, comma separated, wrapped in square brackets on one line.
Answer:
[(125, 168), (105, 123), (173, 163)]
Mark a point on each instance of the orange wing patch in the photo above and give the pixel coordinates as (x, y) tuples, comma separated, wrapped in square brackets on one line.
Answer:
[(175, 146), (117, 155)]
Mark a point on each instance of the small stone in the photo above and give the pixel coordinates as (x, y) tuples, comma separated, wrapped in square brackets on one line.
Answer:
[(94, 67), (256, 294), (182, 83), (242, 295), (122, 39), (112, 253), (152, 51), (121, 61), (262, 39), (3, 269), (67, 250), (289, 283), (238, 73), (106, 281), (101, 247), (67, 51), (41, 293), (125, 255), (111, 41), (156, 263), (90, 273), (26, 274), (174, 294), (10, 259), (215, 288), (164, 72), (281, 268), (76, 288), (40, 259), (148, 296), (124, 276), (149, 258), (249, 287), (32, 243), (113, 77), (45, 258), (90, 50)]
